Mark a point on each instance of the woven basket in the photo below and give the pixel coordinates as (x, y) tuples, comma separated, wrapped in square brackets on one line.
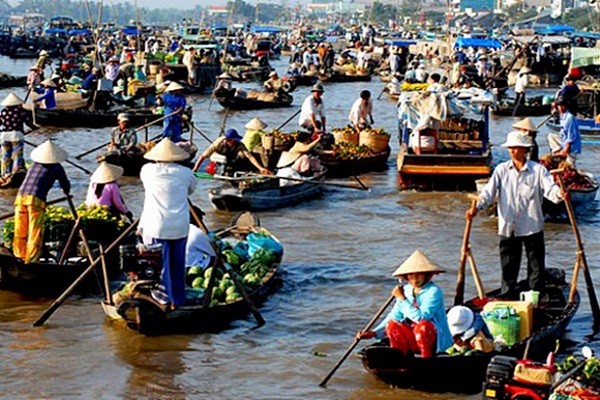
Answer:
[(348, 137), (374, 141)]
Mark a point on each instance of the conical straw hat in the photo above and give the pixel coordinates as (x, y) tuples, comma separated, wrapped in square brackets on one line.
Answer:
[(256, 124), (49, 83), (416, 263), (525, 124), (166, 151), (173, 86), (12, 100), (48, 153), (106, 173)]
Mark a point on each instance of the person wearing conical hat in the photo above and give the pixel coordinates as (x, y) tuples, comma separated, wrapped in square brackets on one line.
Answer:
[(520, 185), (48, 95), (274, 83), (417, 324), (224, 83), (528, 128), (174, 103), (165, 217), (34, 78), (521, 82), (30, 203), (13, 118), (254, 130), (104, 190)]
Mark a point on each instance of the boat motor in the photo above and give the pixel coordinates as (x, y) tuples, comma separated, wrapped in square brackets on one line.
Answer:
[(142, 261)]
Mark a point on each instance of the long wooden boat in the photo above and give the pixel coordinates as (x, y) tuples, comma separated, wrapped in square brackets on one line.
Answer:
[(337, 168), (588, 128), (238, 103), (142, 313), (253, 193), (7, 81), (581, 200), (13, 181), (133, 162), (305, 80), (533, 107), (342, 78), (466, 373)]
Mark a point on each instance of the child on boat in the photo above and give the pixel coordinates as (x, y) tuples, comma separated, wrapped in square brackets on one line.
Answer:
[(417, 324), (469, 330)]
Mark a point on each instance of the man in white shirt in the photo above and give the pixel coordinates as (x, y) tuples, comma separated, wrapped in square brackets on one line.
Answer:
[(165, 218), (188, 61), (434, 84), (361, 109), (520, 185), (420, 74), (521, 83), (313, 109)]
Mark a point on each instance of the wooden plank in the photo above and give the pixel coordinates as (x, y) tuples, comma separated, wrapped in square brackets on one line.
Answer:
[(445, 169)]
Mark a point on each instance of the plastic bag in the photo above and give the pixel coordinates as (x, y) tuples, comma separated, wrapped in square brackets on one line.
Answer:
[(257, 241)]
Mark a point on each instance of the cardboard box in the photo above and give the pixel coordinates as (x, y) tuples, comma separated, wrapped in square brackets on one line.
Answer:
[(523, 308)]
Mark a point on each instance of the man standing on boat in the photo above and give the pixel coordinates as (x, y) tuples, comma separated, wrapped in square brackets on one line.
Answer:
[(313, 108), (174, 103), (521, 82), (520, 185), (567, 144), (569, 93)]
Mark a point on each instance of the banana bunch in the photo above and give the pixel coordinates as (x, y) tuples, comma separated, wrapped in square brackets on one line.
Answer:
[(412, 87)]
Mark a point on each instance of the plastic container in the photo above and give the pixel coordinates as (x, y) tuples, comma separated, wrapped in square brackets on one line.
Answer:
[(523, 308), (508, 327)]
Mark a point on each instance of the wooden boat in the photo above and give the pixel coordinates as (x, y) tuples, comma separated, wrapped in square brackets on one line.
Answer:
[(132, 162), (466, 373), (581, 200), (252, 193), (142, 313), (342, 78), (13, 181), (589, 129), (533, 107), (344, 168), (237, 103), (7, 81), (305, 80)]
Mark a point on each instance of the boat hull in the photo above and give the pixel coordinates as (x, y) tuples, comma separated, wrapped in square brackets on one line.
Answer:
[(237, 103), (346, 168), (91, 119), (340, 78)]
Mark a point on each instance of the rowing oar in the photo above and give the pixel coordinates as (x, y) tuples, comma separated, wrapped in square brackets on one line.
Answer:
[(11, 214), (58, 302), (382, 91), (581, 259), (356, 340), (460, 280), (80, 156), (87, 171), (223, 265), (194, 128), (314, 182), (288, 120)]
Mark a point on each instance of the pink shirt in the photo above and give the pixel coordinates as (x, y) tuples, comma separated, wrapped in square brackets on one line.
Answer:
[(111, 196)]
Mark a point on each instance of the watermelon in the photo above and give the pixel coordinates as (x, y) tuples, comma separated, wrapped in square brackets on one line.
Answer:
[(198, 283)]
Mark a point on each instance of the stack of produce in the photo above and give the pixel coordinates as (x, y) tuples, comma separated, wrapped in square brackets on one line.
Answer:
[(348, 151), (284, 141), (585, 384), (413, 87), (570, 176), (346, 134)]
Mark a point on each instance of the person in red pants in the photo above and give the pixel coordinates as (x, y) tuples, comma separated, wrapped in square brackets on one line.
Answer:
[(417, 324)]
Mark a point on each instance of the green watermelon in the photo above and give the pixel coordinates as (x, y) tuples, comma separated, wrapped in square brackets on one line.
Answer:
[(198, 283)]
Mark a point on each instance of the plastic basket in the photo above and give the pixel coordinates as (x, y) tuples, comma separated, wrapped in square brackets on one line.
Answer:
[(345, 136), (508, 328), (374, 141)]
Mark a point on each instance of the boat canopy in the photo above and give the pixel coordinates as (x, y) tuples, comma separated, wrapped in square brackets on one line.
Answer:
[(399, 42), (266, 29), (584, 56), (131, 31), (476, 42), (553, 29), (585, 35), (563, 40)]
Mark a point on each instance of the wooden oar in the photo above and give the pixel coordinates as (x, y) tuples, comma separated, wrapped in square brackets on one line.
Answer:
[(69, 240), (194, 128), (460, 280), (87, 171), (314, 182), (136, 130), (58, 302), (12, 214), (288, 120), (357, 340), (382, 91)]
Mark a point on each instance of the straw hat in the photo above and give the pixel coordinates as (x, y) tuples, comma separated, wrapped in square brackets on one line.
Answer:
[(224, 75), (48, 153), (256, 124), (460, 319), (49, 83), (416, 263), (12, 100), (273, 73), (122, 117), (517, 139), (525, 70), (106, 173), (525, 124), (173, 86), (43, 53), (166, 151)]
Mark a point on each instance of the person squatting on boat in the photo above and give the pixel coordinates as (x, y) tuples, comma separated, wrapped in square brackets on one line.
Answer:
[(123, 139), (469, 331), (417, 324), (104, 190), (312, 115), (174, 103), (48, 94), (520, 186), (361, 110), (165, 217), (298, 162), (13, 117), (566, 144), (30, 203)]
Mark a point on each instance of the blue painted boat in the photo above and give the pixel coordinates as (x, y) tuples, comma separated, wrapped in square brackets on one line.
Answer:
[(589, 129)]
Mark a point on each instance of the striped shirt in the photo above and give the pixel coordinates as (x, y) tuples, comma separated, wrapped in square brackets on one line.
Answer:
[(41, 177)]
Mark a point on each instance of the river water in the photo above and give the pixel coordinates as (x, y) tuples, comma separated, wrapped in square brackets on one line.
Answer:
[(340, 250)]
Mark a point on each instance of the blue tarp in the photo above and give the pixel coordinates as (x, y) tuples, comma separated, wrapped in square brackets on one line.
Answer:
[(399, 42), (54, 31), (266, 29), (61, 17), (586, 35), (553, 29), (132, 31), (475, 42)]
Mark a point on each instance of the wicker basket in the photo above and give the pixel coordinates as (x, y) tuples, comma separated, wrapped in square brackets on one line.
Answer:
[(344, 136), (374, 141)]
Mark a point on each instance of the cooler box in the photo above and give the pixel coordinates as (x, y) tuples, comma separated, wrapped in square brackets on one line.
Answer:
[(524, 310)]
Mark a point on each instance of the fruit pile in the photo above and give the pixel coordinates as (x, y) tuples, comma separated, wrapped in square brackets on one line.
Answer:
[(349, 151), (376, 131), (413, 87), (570, 176), (589, 375), (284, 139)]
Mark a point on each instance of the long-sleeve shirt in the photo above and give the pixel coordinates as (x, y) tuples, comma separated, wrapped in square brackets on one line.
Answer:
[(124, 138), (166, 215), (430, 302), (569, 133), (520, 195), (110, 197), (41, 177), (360, 111), (48, 98), (12, 119)]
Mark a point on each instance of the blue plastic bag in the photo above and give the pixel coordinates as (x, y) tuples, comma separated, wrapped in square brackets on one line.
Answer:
[(257, 241)]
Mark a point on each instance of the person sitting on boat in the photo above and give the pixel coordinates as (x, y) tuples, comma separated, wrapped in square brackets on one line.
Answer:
[(112, 68), (30, 203), (569, 92), (90, 83), (224, 83), (294, 70), (566, 144), (273, 84), (521, 82), (13, 117), (520, 185), (174, 103), (104, 190), (298, 161), (469, 331), (410, 74), (420, 74), (528, 128), (165, 218), (237, 156), (313, 109), (361, 111), (417, 324), (434, 84), (123, 138), (48, 94)]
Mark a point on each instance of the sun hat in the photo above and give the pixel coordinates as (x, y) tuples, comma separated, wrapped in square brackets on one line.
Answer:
[(416, 263), (224, 75), (317, 88), (517, 139), (256, 124), (525, 124), (48, 153), (166, 151), (232, 134), (273, 73), (173, 86), (460, 319), (49, 83), (106, 173), (12, 100), (43, 53), (525, 70), (122, 117)]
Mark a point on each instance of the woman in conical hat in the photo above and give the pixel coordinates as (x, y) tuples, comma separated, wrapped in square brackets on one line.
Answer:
[(254, 130), (104, 191), (13, 118), (417, 324), (174, 103), (528, 128)]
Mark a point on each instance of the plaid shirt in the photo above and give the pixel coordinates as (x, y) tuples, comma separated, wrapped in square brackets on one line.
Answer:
[(41, 177), (124, 139)]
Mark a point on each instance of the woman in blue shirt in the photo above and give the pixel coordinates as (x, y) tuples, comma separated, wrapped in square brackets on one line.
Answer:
[(417, 324), (48, 96), (174, 102)]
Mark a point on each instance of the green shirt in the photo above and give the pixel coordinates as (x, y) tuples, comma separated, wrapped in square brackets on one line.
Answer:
[(252, 138)]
